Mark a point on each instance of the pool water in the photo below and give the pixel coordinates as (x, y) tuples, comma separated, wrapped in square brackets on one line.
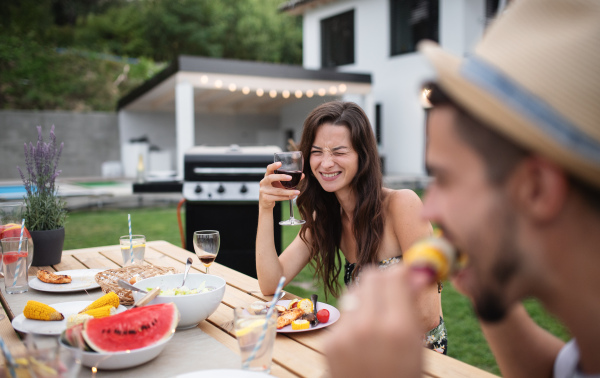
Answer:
[(12, 192)]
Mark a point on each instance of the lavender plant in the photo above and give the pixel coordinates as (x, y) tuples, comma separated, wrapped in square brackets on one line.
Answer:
[(45, 210)]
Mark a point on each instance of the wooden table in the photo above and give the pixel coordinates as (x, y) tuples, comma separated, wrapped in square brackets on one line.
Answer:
[(212, 344)]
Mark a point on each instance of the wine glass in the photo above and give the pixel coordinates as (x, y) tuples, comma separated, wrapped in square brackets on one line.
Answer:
[(206, 245), (291, 165)]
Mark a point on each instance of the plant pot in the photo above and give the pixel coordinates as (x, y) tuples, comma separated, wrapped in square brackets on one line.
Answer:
[(48, 246)]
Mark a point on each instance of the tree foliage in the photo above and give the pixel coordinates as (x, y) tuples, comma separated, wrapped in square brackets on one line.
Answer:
[(53, 53), (163, 29)]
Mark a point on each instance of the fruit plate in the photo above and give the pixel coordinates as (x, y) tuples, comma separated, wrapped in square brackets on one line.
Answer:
[(81, 279), (334, 315), (224, 373), (125, 359), (41, 327)]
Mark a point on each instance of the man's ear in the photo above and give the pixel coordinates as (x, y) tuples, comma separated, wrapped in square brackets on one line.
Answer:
[(540, 187)]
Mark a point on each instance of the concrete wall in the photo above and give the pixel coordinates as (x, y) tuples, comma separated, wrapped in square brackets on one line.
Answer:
[(90, 139), (396, 79)]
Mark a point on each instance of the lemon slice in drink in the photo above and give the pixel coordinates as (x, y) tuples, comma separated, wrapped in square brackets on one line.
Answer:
[(249, 326), (134, 246)]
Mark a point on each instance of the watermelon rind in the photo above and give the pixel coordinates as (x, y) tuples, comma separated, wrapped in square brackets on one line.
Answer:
[(132, 329)]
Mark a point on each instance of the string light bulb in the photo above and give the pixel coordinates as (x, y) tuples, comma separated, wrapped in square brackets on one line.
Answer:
[(285, 93), (204, 79), (321, 92), (333, 90), (260, 92), (342, 87), (245, 90), (218, 84), (298, 93), (309, 93), (273, 93)]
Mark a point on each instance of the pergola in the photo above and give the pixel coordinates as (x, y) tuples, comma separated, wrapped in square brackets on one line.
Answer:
[(192, 85)]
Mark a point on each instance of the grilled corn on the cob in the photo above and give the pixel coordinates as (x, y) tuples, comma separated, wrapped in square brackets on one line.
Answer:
[(101, 312), (111, 299), (40, 311)]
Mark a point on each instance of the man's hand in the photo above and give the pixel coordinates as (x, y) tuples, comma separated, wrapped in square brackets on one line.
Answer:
[(377, 334)]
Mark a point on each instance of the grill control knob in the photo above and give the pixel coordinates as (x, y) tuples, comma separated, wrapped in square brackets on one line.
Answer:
[(221, 189), (244, 189), (198, 189)]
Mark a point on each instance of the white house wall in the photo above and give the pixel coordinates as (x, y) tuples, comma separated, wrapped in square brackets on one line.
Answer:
[(396, 80)]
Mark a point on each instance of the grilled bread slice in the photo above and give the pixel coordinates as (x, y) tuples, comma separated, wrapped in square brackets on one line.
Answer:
[(49, 277)]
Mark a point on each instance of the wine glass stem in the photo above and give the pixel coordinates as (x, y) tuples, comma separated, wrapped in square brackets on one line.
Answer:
[(207, 270), (291, 210)]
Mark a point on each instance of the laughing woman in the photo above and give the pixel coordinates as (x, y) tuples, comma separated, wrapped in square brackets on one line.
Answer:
[(347, 210)]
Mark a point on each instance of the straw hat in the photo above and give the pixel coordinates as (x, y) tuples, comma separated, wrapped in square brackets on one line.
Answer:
[(535, 77)]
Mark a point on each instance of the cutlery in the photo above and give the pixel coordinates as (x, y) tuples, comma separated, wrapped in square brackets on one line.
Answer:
[(147, 298), (313, 298), (126, 285), (188, 265)]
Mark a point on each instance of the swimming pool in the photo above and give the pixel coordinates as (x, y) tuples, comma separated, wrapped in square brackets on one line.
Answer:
[(11, 192)]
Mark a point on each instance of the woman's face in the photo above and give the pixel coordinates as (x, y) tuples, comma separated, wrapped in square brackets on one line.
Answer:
[(333, 161)]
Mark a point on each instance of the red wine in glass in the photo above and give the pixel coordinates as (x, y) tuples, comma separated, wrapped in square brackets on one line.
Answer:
[(291, 164), (207, 260), (293, 183)]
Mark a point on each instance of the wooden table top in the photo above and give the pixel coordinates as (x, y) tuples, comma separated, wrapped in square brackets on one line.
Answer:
[(294, 354)]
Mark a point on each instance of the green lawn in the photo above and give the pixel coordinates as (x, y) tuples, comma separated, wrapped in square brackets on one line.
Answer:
[(466, 342)]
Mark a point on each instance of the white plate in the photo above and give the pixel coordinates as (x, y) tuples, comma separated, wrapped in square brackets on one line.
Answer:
[(41, 327), (81, 279), (123, 360), (334, 315), (224, 373)]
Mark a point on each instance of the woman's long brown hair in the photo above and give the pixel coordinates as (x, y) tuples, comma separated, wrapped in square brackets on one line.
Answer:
[(321, 209)]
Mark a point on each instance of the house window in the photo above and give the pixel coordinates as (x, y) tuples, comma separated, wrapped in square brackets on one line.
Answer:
[(412, 21), (337, 40)]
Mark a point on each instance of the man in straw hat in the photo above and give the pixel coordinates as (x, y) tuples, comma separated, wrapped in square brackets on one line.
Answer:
[(514, 150)]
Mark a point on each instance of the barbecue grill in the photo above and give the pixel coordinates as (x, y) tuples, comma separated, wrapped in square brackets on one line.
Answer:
[(221, 188)]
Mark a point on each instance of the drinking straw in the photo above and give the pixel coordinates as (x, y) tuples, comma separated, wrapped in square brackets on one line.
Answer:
[(130, 239), (9, 358), (264, 330), (19, 259)]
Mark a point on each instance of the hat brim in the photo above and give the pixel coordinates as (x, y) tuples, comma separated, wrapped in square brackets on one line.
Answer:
[(501, 117)]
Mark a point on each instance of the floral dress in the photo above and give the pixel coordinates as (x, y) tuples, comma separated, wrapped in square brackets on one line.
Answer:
[(437, 338)]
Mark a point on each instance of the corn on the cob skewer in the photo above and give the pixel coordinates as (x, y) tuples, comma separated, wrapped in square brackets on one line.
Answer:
[(111, 299), (101, 312), (40, 311)]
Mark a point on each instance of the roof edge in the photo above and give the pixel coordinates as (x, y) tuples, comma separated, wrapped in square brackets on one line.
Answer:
[(147, 85), (189, 63)]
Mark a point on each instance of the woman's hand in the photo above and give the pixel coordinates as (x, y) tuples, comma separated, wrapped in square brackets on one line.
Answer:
[(271, 189)]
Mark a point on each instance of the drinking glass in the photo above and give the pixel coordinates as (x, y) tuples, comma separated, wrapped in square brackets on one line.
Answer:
[(135, 255), (47, 357), (11, 216), (291, 165), (256, 352), (15, 264), (206, 245)]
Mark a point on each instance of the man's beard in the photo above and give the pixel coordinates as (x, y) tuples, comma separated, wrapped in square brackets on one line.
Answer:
[(491, 304)]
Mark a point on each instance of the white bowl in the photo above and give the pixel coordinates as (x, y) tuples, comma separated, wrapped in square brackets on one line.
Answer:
[(122, 360), (193, 308)]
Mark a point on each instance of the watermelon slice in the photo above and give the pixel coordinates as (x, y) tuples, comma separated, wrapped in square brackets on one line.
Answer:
[(133, 329), (12, 257)]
